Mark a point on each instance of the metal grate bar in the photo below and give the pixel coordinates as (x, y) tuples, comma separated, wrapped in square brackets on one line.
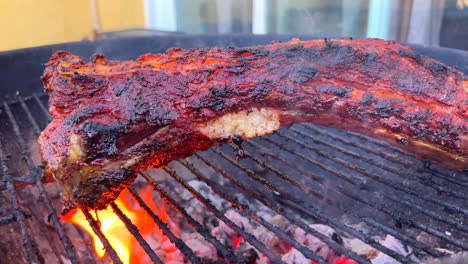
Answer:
[(216, 188), (42, 106), (383, 154), (365, 147), (387, 182), (368, 203), (68, 246), (387, 146), (316, 163), (262, 180), (226, 252), (445, 178), (402, 218), (28, 243), (339, 174), (309, 127), (432, 184), (404, 238), (11, 217), (378, 152), (434, 232), (329, 221), (248, 237), (456, 180), (405, 219), (444, 219), (298, 222), (250, 173), (441, 218), (15, 211), (226, 175), (32, 120), (184, 248), (341, 190), (19, 181), (7, 219), (136, 233), (95, 225), (410, 241), (283, 176), (441, 235), (20, 141)]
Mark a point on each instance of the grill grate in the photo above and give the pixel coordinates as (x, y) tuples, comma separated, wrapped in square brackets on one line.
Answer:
[(297, 221), (305, 172)]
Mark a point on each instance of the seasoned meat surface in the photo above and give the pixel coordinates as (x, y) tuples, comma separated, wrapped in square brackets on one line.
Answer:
[(113, 119)]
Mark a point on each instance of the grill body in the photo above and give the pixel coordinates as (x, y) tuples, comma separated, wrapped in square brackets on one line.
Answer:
[(308, 174)]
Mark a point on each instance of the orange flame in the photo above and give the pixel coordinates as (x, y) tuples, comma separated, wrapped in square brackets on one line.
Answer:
[(114, 229)]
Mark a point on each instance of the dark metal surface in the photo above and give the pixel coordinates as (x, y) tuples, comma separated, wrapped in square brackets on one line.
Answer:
[(306, 174), (15, 211)]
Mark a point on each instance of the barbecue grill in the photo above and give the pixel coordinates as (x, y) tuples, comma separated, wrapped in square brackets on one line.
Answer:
[(360, 187)]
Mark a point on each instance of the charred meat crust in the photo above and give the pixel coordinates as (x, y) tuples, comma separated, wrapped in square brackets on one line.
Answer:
[(108, 186), (131, 115)]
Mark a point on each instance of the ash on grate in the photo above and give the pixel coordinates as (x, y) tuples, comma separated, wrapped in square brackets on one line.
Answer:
[(243, 249)]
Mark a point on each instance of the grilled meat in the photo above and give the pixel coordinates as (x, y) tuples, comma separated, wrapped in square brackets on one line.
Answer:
[(113, 119)]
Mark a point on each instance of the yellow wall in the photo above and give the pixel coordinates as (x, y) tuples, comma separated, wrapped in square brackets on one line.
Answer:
[(27, 23)]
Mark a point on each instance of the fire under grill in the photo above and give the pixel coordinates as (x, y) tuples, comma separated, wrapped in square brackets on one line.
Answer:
[(361, 188)]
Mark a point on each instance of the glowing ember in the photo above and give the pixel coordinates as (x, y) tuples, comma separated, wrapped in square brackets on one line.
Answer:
[(341, 260), (344, 260), (235, 241), (114, 229)]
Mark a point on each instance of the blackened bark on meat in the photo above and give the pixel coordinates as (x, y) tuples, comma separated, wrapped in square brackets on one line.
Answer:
[(112, 119)]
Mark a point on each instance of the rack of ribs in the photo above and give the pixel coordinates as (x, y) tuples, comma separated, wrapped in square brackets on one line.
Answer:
[(115, 118)]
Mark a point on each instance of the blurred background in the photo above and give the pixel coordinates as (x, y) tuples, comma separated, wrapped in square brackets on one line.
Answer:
[(27, 23)]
